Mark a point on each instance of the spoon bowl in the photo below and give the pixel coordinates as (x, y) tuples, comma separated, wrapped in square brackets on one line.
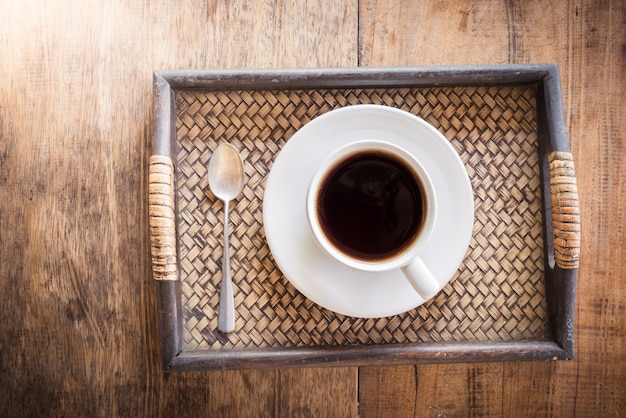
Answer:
[(226, 175), (226, 179)]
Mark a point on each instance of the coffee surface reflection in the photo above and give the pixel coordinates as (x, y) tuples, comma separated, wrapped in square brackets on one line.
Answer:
[(371, 206)]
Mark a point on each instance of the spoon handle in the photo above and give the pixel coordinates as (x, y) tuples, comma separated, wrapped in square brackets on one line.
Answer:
[(226, 317)]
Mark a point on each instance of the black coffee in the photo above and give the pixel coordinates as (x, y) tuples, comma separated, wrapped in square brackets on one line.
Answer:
[(371, 206)]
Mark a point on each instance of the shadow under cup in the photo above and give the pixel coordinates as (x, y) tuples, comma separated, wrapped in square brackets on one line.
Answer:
[(371, 206)]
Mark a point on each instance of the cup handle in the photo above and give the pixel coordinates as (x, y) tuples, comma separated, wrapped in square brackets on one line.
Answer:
[(421, 278)]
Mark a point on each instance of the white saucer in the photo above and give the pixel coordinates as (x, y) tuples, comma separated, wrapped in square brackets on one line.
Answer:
[(322, 279)]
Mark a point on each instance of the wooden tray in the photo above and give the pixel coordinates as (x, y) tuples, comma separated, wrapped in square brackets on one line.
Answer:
[(512, 298)]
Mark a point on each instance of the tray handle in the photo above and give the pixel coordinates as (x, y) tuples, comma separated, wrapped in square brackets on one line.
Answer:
[(565, 210), (162, 217)]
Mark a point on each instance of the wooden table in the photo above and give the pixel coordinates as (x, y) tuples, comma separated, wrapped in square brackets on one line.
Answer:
[(78, 325)]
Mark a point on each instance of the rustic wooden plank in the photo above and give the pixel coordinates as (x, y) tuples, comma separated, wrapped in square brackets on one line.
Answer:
[(431, 390), (78, 330), (586, 39), (267, 393), (313, 393), (388, 392)]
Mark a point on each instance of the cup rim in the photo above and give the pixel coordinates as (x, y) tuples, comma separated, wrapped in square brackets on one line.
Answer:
[(403, 257)]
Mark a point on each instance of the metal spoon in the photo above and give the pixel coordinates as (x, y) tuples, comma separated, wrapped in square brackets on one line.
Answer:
[(226, 178)]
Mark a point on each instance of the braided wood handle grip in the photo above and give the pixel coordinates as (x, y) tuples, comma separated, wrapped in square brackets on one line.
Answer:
[(565, 210), (162, 217)]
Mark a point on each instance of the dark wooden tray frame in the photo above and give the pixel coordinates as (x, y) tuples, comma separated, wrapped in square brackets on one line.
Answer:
[(560, 281)]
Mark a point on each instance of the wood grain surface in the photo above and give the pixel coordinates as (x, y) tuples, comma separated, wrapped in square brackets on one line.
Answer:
[(78, 332), (588, 41)]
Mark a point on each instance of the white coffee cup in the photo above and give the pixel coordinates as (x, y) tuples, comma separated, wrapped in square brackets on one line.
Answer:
[(407, 256)]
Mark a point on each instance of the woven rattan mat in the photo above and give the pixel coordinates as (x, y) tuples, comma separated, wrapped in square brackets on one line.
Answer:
[(497, 294)]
